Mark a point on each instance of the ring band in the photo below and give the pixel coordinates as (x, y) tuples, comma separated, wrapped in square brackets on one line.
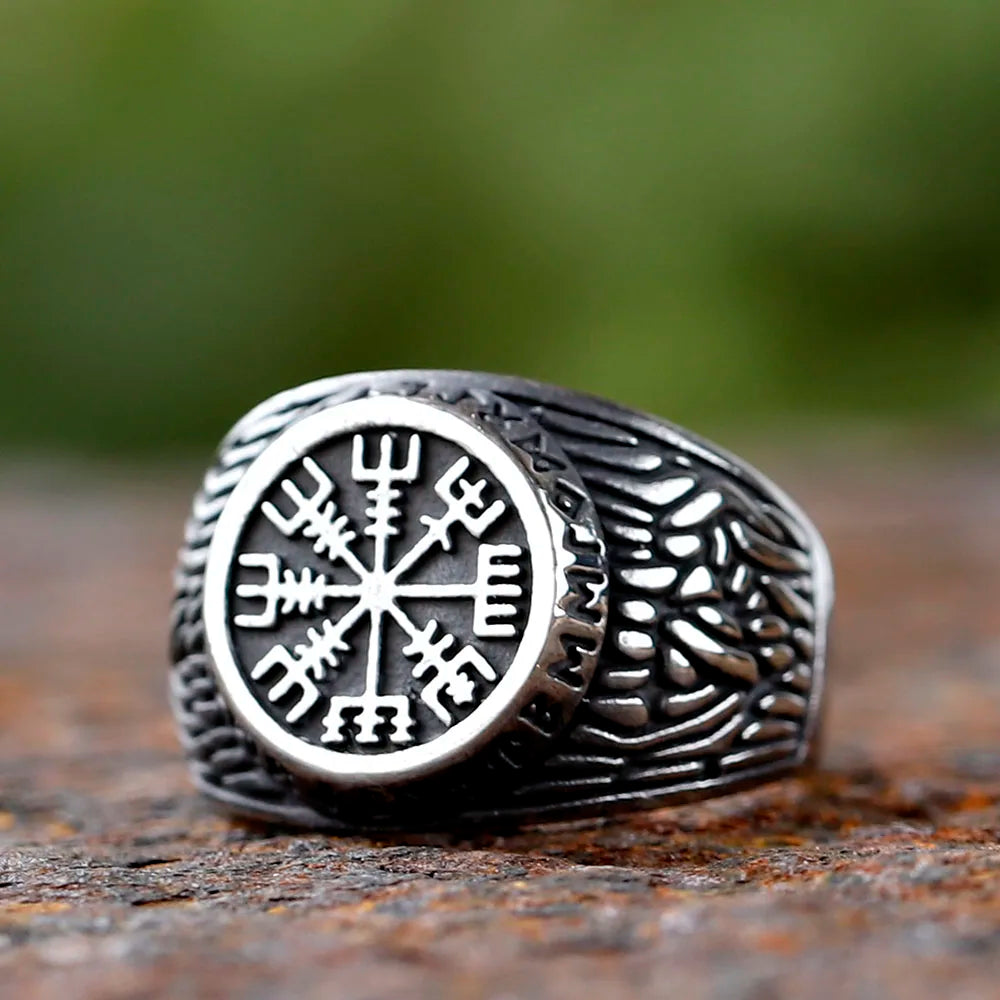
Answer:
[(421, 599)]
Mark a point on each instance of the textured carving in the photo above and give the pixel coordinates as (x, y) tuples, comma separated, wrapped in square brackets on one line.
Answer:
[(711, 671), (711, 654)]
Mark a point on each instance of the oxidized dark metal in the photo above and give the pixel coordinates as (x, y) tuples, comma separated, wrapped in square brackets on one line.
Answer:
[(422, 598)]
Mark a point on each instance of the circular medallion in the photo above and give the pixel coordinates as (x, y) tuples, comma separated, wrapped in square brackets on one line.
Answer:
[(394, 584)]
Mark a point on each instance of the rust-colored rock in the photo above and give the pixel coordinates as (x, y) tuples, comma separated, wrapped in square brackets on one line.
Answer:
[(879, 877)]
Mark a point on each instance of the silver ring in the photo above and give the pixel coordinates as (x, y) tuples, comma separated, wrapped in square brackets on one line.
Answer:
[(429, 598)]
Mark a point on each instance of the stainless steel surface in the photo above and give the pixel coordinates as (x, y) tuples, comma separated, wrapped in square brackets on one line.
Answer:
[(698, 672)]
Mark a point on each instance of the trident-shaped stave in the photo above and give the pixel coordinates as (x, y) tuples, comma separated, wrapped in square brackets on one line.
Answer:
[(316, 518), (497, 568), (464, 505), (383, 495), (450, 672), (307, 663), (284, 591)]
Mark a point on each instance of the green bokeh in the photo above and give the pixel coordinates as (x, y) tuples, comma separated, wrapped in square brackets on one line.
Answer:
[(722, 212)]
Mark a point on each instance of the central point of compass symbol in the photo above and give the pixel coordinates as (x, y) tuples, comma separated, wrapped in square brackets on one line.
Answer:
[(377, 591)]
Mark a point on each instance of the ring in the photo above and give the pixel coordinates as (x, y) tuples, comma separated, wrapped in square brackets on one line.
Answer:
[(419, 599)]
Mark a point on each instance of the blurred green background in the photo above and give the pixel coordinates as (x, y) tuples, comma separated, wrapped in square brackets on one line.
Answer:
[(728, 213)]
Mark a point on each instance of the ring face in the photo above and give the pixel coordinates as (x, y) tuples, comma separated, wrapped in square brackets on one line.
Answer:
[(424, 598), (382, 592)]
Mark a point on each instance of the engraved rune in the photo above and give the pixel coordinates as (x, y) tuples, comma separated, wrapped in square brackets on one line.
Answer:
[(446, 667)]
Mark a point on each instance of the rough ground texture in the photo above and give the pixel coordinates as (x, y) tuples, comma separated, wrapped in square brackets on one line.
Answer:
[(880, 877)]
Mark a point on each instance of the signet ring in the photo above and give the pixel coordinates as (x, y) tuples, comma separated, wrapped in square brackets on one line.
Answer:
[(429, 599)]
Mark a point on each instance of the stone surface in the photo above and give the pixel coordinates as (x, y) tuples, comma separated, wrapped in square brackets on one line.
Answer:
[(880, 877)]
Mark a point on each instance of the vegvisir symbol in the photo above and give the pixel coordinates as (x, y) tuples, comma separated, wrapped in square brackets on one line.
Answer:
[(446, 667)]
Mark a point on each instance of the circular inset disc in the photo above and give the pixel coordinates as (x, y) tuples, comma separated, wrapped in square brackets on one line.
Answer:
[(390, 588)]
